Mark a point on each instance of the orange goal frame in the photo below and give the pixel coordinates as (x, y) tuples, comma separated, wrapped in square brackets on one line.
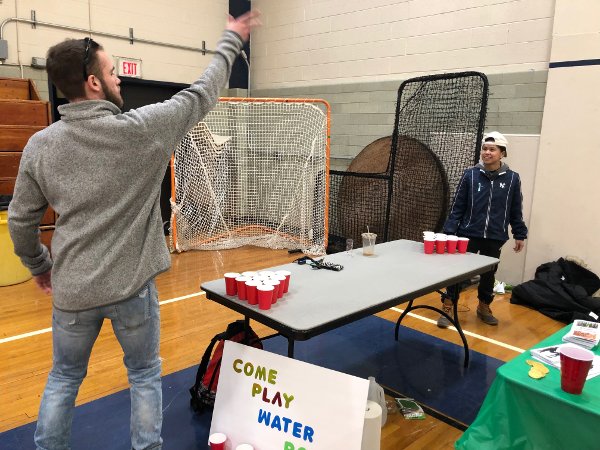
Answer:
[(268, 100)]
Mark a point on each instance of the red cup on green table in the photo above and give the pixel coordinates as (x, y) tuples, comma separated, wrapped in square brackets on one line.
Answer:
[(287, 274), (241, 287), (451, 244), (575, 363), (230, 283), (462, 244), (217, 441), (264, 292), (251, 294)]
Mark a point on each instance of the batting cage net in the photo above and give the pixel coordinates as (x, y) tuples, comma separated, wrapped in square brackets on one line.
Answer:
[(254, 172), (401, 185)]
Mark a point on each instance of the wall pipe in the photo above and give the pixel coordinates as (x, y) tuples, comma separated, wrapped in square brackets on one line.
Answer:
[(129, 38)]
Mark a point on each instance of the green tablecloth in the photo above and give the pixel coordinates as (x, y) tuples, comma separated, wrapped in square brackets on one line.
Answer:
[(522, 413)]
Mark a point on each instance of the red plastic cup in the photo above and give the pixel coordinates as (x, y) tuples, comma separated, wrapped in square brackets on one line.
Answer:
[(266, 273), (217, 441), (440, 246), (230, 284), (462, 244), (451, 245), (251, 295), (264, 292), (275, 284), (241, 287), (287, 274), (281, 286), (429, 246), (575, 363)]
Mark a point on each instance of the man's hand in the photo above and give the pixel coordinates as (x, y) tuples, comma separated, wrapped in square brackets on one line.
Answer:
[(44, 282), (244, 24), (519, 245)]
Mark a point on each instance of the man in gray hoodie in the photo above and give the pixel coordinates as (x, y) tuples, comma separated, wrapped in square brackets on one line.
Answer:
[(101, 171)]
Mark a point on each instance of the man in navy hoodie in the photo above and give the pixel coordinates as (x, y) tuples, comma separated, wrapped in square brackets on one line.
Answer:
[(487, 200)]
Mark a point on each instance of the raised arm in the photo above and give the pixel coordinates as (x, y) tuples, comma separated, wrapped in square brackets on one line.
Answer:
[(169, 121), (244, 24)]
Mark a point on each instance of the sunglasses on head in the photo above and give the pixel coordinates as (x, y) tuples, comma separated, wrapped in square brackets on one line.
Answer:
[(88, 43)]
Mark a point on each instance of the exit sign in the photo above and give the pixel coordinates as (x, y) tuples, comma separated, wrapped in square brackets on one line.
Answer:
[(127, 67)]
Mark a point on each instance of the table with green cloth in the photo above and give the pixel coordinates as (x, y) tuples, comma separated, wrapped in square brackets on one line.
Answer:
[(520, 412)]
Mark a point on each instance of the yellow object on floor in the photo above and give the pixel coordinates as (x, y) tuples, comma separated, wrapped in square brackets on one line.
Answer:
[(12, 271)]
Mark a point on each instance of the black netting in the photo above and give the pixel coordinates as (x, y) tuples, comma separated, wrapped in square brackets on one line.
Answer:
[(398, 194), (355, 201)]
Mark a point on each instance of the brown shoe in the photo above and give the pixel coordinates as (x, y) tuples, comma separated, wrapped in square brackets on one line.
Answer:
[(484, 313), (443, 322)]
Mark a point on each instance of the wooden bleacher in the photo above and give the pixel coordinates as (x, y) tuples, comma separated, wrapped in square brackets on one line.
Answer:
[(22, 113)]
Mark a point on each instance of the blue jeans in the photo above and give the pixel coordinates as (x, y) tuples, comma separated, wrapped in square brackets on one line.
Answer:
[(136, 324)]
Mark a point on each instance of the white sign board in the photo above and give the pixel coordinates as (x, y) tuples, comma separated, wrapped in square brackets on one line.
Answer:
[(272, 402), (127, 67)]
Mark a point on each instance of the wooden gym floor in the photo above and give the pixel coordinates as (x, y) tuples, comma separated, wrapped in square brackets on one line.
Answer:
[(189, 321)]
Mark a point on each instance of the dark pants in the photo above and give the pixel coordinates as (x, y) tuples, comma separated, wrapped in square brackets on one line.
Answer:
[(487, 247)]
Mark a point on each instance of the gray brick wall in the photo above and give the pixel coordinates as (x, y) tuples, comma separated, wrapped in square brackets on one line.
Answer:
[(516, 102), (363, 112)]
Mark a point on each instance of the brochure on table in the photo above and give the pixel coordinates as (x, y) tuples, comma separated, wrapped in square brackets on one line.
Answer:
[(274, 402), (584, 333)]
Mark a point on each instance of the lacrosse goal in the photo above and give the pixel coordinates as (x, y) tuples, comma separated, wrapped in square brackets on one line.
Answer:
[(255, 171)]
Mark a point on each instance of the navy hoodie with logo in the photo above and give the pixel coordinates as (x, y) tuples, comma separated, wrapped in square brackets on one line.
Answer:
[(485, 204)]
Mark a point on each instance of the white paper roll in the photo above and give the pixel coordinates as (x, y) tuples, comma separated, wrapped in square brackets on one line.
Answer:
[(371, 438)]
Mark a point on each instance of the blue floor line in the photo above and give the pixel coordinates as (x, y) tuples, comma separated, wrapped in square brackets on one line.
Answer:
[(418, 365)]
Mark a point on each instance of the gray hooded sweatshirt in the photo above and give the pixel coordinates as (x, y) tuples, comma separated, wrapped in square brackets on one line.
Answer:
[(101, 170)]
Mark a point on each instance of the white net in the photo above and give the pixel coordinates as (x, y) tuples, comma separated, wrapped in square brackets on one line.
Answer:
[(254, 172)]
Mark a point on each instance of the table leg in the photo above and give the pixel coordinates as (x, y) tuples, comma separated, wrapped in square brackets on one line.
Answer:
[(455, 293), (406, 310), (290, 347)]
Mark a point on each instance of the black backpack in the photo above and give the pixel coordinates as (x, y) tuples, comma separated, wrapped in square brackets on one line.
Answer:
[(204, 390)]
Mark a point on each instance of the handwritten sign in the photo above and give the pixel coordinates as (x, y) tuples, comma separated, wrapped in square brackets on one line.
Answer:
[(273, 402)]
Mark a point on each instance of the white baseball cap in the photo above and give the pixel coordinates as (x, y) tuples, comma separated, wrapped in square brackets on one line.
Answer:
[(496, 138)]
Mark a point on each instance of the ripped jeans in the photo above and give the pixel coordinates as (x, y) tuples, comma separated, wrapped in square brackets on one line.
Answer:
[(136, 324)]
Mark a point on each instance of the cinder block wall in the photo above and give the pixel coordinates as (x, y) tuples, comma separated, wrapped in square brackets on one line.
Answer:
[(363, 112)]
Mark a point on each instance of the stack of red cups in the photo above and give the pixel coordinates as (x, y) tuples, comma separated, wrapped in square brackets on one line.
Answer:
[(258, 288)]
